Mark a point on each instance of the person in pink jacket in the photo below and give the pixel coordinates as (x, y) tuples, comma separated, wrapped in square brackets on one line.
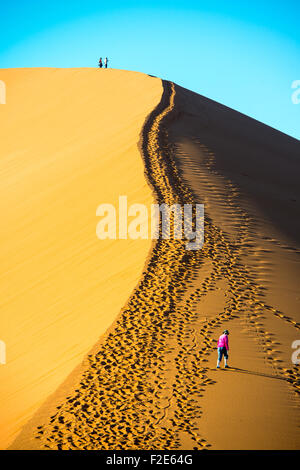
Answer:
[(223, 348)]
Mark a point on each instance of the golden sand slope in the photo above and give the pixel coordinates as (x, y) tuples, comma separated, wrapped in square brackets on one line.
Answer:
[(68, 143), (152, 384), (121, 397)]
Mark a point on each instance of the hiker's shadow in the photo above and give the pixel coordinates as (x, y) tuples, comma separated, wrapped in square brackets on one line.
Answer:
[(252, 372)]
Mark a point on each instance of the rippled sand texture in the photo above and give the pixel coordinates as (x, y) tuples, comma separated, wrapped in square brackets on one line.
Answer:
[(247, 175), (68, 143), (151, 383)]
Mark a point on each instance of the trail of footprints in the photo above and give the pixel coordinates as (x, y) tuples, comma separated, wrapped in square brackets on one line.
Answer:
[(143, 388), (245, 293)]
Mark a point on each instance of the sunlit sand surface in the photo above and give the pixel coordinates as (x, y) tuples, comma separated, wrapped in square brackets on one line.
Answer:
[(150, 382), (68, 143)]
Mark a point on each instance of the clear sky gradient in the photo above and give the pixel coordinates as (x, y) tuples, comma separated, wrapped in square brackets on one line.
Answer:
[(243, 54)]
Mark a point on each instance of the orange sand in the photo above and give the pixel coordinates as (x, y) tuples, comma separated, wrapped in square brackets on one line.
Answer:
[(151, 382), (68, 143), (247, 176)]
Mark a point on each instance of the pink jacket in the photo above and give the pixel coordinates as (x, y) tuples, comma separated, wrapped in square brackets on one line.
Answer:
[(223, 342)]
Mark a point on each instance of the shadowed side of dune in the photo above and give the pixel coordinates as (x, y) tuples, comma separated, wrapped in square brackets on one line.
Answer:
[(263, 162), (246, 174)]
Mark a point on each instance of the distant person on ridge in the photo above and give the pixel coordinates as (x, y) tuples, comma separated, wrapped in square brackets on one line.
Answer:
[(106, 62), (100, 63), (223, 348)]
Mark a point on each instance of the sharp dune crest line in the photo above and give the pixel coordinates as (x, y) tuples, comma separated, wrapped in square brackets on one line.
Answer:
[(148, 384)]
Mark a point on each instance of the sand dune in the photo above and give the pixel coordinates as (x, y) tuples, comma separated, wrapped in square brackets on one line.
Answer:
[(151, 382), (68, 143), (247, 176)]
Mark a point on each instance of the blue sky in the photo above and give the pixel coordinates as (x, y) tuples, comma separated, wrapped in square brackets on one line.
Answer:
[(242, 54)]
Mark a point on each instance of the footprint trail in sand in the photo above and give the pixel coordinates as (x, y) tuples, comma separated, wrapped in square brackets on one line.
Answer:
[(143, 388)]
